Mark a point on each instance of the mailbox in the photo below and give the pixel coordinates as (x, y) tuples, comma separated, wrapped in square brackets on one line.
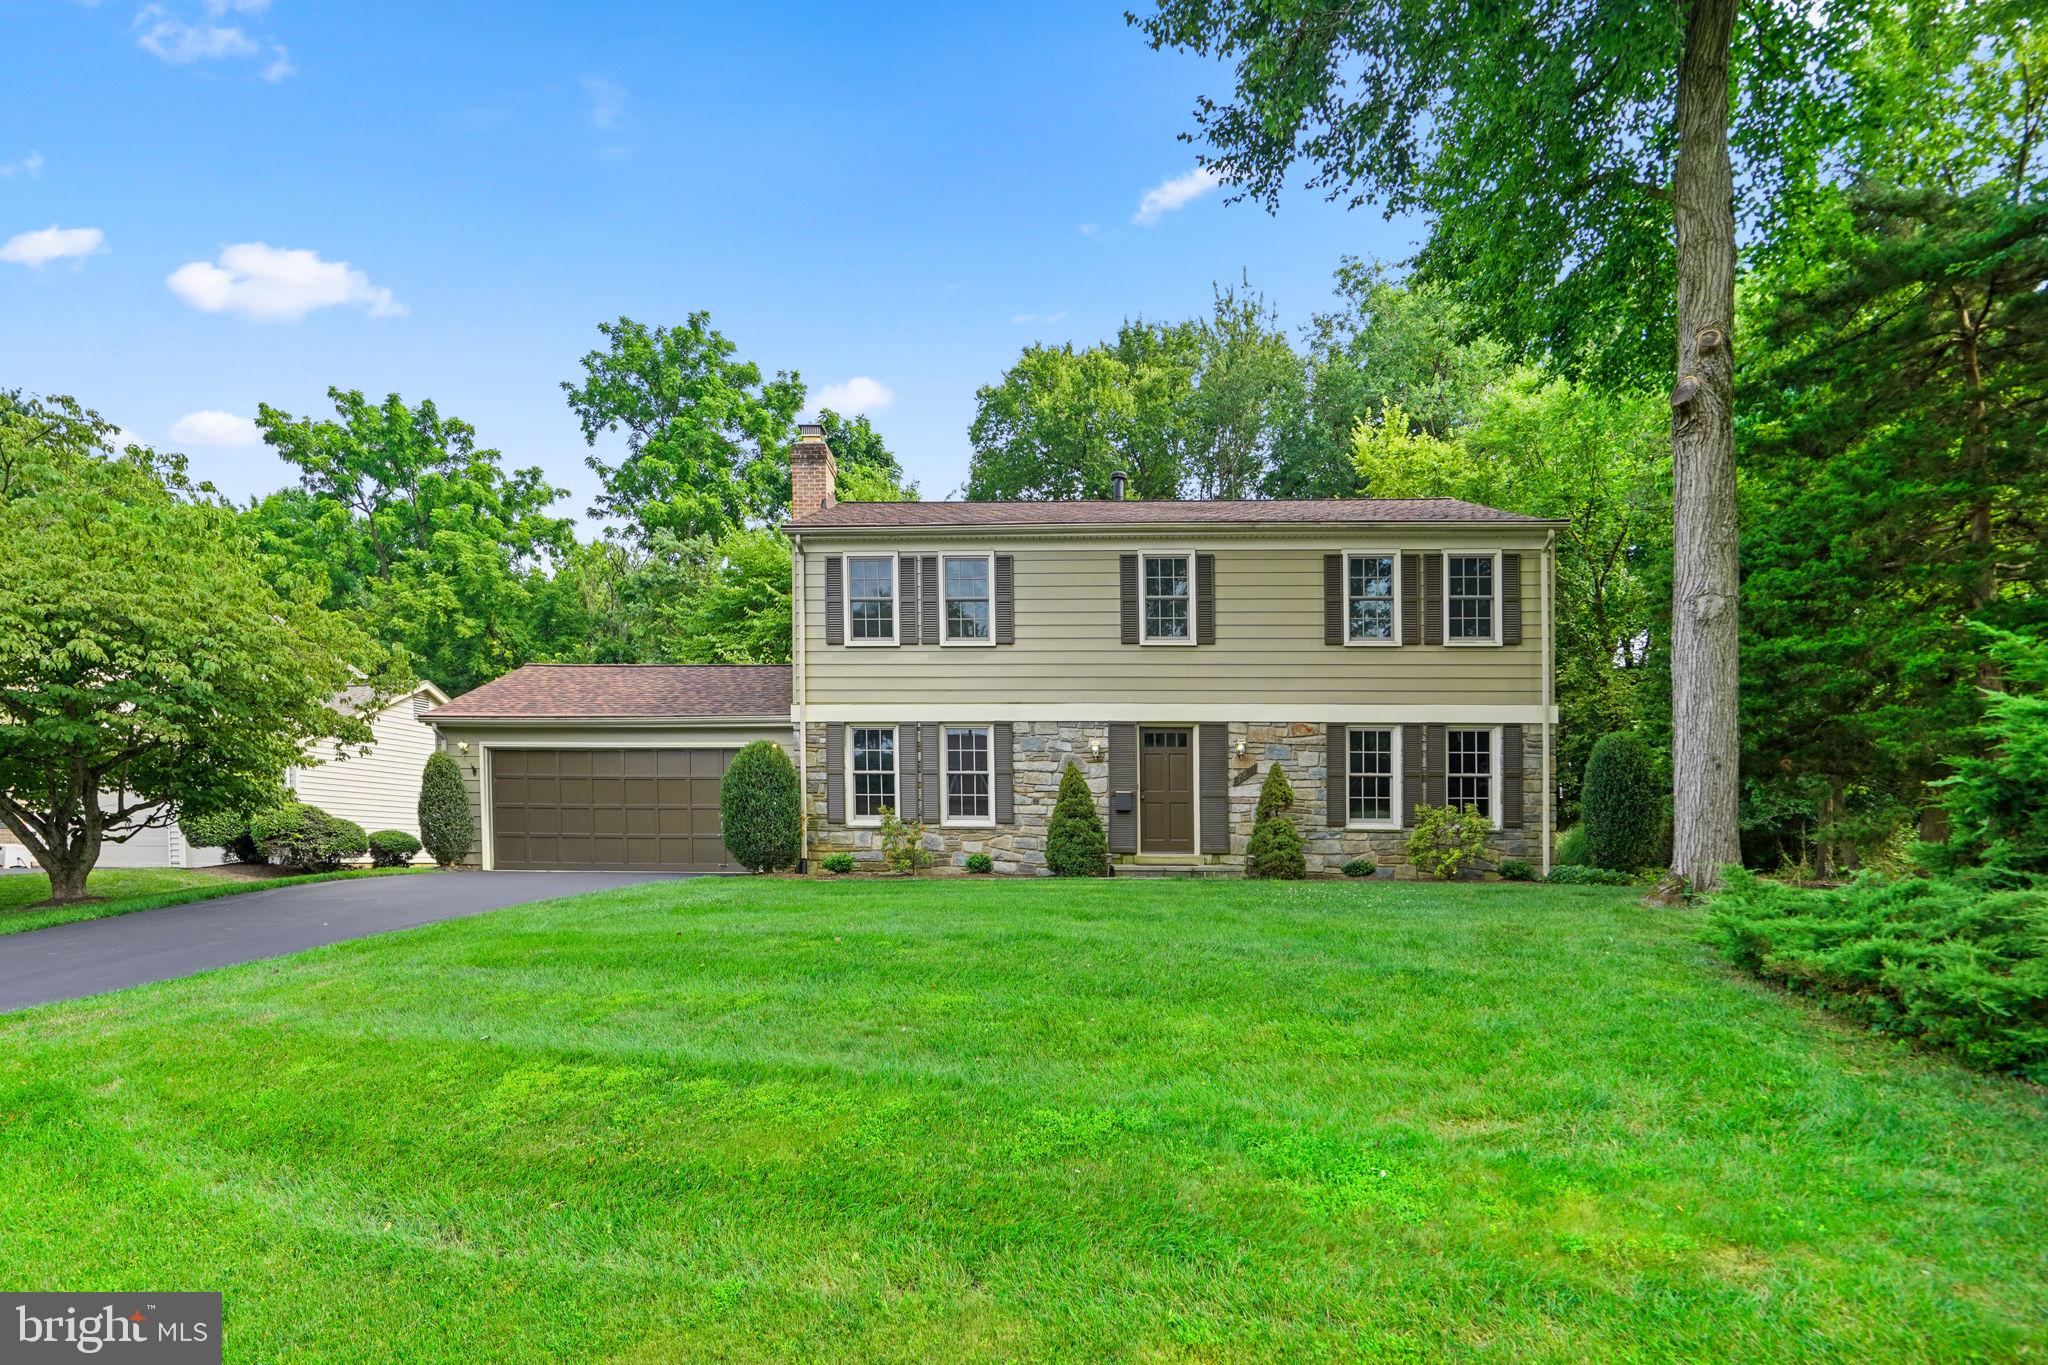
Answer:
[(1123, 803)]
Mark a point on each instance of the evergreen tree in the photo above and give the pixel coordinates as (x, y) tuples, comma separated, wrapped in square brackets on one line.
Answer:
[(1275, 849), (1075, 845)]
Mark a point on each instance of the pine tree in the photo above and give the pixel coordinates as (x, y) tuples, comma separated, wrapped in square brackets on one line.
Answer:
[(1275, 849), (1075, 845)]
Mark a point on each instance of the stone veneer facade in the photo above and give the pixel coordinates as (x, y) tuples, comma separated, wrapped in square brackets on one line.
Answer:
[(1043, 749)]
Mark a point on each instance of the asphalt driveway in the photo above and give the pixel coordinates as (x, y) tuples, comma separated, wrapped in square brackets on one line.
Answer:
[(69, 960)]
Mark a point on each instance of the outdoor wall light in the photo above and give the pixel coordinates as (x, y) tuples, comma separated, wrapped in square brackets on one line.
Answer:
[(1240, 748), (463, 745), (1095, 748)]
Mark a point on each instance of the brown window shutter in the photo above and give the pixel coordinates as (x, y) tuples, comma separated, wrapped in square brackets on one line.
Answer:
[(1511, 776), (1123, 777), (1510, 599), (1435, 776), (928, 576), (1205, 599), (906, 772), (1433, 598), (1337, 766), (835, 774), (835, 601), (1411, 599), (932, 761), (1004, 773), (1333, 599), (906, 600), (1214, 755), (1127, 585), (1006, 595), (1414, 768)]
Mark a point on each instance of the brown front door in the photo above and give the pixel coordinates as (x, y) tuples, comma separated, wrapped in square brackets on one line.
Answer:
[(1166, 791), (628, 810)]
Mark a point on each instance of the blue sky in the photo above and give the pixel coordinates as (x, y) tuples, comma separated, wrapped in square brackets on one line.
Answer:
[(449, 197)]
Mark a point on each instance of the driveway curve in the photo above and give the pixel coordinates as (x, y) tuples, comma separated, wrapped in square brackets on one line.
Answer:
[(66, 961)]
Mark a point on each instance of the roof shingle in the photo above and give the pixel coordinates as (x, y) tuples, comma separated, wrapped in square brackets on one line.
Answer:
[(1249, 512), (625, 692)]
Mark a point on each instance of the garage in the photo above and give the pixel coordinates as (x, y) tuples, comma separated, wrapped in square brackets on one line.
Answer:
[(619, 810)]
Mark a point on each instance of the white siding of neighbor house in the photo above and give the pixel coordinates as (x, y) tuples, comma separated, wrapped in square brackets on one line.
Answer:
[(163, 847), (380, 789)]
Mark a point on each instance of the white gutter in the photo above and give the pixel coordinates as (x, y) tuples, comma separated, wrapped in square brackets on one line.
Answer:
[(1549, 691), (797, 694)]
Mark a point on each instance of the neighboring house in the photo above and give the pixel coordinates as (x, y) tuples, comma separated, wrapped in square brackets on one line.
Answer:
[(951, 658), (379, 789)]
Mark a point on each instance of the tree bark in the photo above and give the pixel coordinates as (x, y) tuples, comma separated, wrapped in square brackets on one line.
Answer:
[(1704, 679)]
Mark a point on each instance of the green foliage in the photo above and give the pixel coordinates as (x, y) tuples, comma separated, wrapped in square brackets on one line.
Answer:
[(1578, 874), (226, 832), (980, 864), (1949, 963), (838, 864), (1360, 867), (1621, 805), (1075, 844), (1446, 839), (903, 847), (1275, 848), (1572, 848), (1997, 801), (392, 848), (1515, 870), (868, 469), (761, 808), (295, 834), (447, 825)]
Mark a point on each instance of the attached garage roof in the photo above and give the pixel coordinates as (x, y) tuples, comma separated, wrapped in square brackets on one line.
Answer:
[(626, 692)]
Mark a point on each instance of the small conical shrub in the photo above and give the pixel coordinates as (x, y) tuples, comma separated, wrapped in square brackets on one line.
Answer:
[(760, 809), (1075, 845), (1621, 804), (1275, 849), (447, 827)]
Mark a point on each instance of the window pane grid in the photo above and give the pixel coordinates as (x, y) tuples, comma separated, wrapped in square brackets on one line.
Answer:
[(1371, 775), (871, 598), (874, 771), (967, 599), (967, 774), (1371, 597), (1167, 592), (1470, 770), (1471, 596)]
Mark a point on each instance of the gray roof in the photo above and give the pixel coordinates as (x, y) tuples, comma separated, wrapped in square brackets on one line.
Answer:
[(1247, 512), (625, 692)]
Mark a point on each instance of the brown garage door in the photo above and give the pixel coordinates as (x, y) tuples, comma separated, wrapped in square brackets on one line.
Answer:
[(630, 810)]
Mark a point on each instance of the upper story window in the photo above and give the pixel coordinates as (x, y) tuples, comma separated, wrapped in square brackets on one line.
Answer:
[(966, 581), (873, 770), (1169, 598), (1470, 771), (871, 599), (1469, 590), (1369, 598), (968, 771)]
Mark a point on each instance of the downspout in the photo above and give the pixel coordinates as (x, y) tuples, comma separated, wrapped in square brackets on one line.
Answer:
[(1549, 690), (796, 692)]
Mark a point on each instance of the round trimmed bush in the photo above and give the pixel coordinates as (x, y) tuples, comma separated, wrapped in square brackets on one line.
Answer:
[(980, 864), (1275, 849), (838, 864), (295, 834), (392, 848), (1075, 845), (447, 826), (1621, 805), (1360, 867), (1515, 870), (228, 833), (761, 808)]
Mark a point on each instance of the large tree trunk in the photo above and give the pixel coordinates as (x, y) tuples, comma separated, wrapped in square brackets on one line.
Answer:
[(1704, 740)]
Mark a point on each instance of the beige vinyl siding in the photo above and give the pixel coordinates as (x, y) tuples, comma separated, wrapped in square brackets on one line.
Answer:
[(380, 789), (1269, 649)]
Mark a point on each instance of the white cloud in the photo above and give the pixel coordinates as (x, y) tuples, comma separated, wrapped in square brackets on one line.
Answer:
[(212, 427), (179, 43), (859, 394), (607, 102), (30, 165), (272, 284), (1176, 193), (280, 66), (219, 7), (53, 243)]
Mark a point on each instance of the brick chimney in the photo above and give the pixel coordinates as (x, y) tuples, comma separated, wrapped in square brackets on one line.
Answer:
[(813, 472)]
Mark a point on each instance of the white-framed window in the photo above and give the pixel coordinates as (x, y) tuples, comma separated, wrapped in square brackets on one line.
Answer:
[(1469, 771), (871, 599), (967, 588), (1372, 598), (1471, 599), (1371, 777), (1166, 587), (970, 776), (870, 772)]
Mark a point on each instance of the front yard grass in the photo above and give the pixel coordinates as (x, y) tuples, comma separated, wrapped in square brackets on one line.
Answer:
[(1159, 1121), (128, 889)]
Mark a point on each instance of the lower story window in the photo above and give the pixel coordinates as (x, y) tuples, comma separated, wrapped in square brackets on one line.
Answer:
[(874, 771), (967, 773), (1371, 777), (1470, 770)]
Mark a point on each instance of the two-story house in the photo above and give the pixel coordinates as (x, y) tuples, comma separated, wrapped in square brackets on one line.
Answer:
[(950, 659)]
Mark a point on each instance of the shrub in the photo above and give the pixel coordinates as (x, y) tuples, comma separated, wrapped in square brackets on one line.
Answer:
[(761, 809), (446, 824), (1997, 802), (228, 833), (980, 863), (1573, 874), (1275, 849), (1571, 848), (1360, 867), (1075, 845), (392, 848), (1515, 870), (1445, 839), (1953, 963), (298, 835), (903, 847), (1621, 805), (838, 864)]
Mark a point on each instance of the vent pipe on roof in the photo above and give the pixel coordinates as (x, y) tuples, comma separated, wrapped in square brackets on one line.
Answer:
[(1116, 485)]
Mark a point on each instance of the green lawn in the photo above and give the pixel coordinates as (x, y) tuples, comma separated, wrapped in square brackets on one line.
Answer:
[(128, 889), (1158, 1121)]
